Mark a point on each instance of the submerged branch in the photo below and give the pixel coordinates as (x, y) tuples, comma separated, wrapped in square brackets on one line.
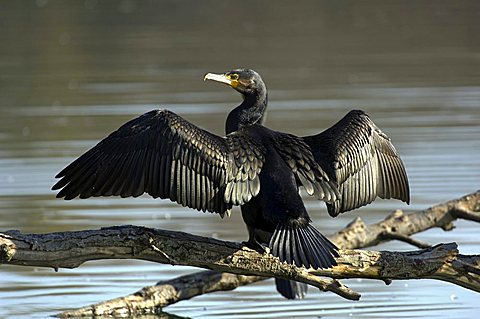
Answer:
[(151, 299)]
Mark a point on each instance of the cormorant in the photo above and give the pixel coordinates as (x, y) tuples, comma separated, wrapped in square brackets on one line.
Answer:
[(164, 155)]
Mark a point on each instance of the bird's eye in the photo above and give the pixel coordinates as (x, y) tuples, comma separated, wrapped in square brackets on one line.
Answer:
[(234, 76)]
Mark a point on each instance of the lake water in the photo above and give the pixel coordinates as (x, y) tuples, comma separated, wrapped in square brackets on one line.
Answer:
[(72, 72)]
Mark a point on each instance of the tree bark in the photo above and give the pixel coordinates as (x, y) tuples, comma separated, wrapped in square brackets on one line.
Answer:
[(71, 249), (357, 234)]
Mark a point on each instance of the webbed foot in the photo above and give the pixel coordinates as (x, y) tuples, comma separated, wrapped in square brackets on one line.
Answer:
[(255, 245)]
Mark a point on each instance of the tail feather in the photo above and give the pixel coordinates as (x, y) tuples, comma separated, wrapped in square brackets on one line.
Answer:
[(288, 251), (295, 249), (291, 289), (316, 258), (303, 246), (274, 243), (321, 242)]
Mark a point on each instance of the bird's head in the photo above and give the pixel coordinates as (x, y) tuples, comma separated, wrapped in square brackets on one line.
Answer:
[(248, 83), (245, 81)]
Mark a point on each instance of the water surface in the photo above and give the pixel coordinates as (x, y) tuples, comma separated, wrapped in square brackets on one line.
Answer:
[(72, 73)]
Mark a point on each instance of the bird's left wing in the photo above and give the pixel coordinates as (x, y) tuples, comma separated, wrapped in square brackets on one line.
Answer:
[(362, 160), (164, 155)]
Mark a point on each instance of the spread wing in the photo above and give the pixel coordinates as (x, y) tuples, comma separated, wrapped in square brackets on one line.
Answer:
[(164, 155), (362, 160)]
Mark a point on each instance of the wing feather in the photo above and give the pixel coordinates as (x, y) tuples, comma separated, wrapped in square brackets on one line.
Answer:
[(360, 158), (164, 155)]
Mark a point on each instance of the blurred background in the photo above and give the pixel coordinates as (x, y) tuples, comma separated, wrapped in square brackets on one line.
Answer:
[(73, 71)]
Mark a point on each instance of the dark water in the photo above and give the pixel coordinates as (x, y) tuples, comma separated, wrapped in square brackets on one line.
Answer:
[(71, 72)]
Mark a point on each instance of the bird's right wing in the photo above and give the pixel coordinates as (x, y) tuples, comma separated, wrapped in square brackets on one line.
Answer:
[(360, 158), (164, 155)]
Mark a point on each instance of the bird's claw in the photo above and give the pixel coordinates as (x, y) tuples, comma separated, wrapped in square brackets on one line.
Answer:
[(255, 245)]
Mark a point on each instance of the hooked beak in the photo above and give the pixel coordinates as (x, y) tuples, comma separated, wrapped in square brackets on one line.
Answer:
[(222, 78)]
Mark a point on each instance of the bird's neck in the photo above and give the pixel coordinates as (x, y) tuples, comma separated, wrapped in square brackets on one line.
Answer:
[(250, 112)]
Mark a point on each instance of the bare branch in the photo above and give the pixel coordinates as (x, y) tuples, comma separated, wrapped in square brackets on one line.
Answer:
[(71, 249), (406, 239), (357, 234), (462, 212), (441, 262), (149, 299), (62, 250)]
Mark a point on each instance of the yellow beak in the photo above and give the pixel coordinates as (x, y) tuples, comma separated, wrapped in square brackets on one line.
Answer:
[(222, 78)]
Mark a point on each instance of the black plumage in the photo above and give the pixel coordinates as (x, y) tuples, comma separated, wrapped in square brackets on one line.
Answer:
[(164, 155)]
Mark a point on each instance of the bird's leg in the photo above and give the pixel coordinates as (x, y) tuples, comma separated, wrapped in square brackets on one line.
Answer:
[(253, 243)]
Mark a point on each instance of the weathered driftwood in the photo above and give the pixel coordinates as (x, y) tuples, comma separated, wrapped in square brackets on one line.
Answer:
[(151, 299), (399, 225), (70, 249), (355, 235), (441, 262)]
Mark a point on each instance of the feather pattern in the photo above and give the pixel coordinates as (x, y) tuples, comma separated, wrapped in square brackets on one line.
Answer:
[(302, 245), (164, 155), (246, 163), (360, 158), (298, 155)]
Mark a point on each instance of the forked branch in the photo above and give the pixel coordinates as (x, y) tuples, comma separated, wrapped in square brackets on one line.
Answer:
[(71, 249)]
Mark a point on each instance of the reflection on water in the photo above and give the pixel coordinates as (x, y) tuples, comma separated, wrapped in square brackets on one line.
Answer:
[(72, 73)]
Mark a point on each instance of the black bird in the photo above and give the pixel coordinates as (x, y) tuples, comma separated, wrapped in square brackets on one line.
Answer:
[(164, 155)]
